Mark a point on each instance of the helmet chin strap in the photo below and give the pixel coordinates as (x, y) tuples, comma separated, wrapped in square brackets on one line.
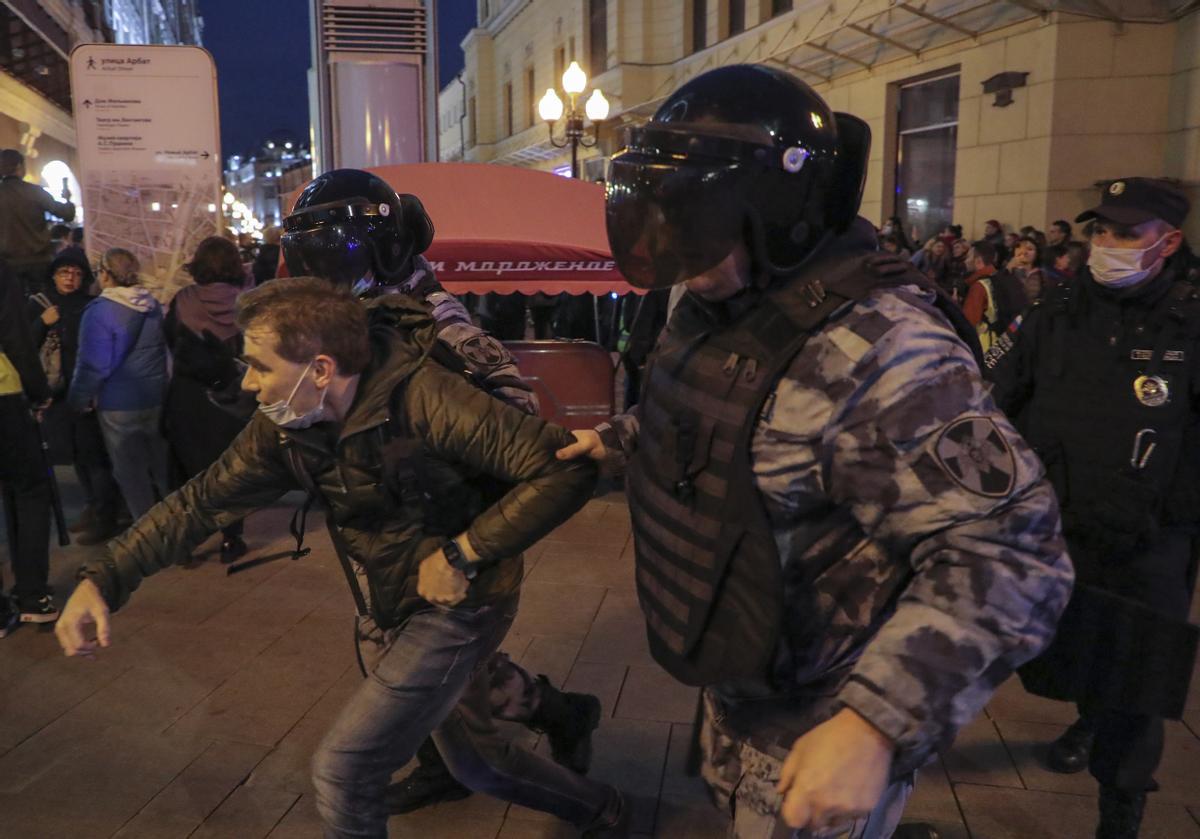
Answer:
[(775, 272), (386, 277)]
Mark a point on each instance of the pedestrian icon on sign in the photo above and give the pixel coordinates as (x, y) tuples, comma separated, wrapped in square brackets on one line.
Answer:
[(91, 63)]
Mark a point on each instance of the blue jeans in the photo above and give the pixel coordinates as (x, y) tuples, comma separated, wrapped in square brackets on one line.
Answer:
[(139, 456), (431, 677)]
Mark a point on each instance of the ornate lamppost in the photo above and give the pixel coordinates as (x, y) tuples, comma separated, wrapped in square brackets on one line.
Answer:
[(550, 108)]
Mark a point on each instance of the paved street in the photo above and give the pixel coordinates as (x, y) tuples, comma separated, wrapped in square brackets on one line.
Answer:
[(200, 720)]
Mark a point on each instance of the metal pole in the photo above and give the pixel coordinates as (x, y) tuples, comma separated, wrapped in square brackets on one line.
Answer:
[(574, 134)]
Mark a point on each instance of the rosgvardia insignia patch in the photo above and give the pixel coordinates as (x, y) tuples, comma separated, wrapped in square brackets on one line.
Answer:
[(975, 454)]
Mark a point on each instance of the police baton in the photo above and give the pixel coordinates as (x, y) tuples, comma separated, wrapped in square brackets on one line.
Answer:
[(60, 519)]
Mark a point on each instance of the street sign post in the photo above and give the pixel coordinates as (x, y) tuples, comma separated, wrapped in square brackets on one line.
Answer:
[(149, 151)]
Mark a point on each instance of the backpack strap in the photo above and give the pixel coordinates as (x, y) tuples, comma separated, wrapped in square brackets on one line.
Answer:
[(295, 462)]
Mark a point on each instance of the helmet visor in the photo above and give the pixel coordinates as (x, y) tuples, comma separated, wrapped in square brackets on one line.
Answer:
[(668, 223), (333, 252)]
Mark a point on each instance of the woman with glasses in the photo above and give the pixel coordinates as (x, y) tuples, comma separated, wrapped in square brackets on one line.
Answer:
[(55, 317)]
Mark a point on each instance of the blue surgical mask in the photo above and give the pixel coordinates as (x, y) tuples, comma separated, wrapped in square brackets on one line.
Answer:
[(282, 414)]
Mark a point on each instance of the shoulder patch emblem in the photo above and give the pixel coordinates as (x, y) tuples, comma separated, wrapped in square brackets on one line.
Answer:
[(483, 351), (975, 454)]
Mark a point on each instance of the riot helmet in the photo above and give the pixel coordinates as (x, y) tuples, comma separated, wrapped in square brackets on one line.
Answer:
[(348, 226), (745, 153)]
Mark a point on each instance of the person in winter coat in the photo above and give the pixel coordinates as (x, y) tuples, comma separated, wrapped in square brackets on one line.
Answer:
[(957, 271), (24, 236), (266, 261), (23, 480), (121, 373), (348, 399), (55, 317), (933, 261), (198, 431), (994, 298), (1025, 266)]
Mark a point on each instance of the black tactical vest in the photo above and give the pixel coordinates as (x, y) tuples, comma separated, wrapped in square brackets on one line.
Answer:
[(709, 575), (1111, 410)]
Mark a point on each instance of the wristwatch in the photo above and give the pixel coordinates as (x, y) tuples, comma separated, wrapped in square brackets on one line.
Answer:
[(454, 556)]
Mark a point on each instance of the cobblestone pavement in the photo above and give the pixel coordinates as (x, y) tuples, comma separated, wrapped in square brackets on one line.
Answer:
[(200, 720)]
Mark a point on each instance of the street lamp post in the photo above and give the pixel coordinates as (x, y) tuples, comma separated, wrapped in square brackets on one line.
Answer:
[(550, 108)]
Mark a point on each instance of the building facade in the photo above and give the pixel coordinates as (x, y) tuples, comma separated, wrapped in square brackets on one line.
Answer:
[(1014, 110), (36, 38), (261, 181)]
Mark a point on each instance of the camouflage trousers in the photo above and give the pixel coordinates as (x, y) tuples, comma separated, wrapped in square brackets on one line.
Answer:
[(742, 779), (514, 693)]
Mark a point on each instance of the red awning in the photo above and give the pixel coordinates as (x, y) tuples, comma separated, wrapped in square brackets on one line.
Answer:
[(507, 229)]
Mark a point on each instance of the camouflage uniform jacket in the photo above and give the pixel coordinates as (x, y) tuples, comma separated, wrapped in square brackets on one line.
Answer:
[(487, 359), (923, 558)]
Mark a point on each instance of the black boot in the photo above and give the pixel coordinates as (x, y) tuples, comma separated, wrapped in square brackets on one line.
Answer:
[(568, 720), (430, 783), (232, 550), (1070, 752), (1120, 813)]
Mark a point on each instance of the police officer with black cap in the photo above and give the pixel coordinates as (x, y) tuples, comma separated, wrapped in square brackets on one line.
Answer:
[(836, 533), (1104, 381)]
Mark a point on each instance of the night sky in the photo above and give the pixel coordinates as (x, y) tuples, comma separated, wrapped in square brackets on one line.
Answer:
[(262, 53)]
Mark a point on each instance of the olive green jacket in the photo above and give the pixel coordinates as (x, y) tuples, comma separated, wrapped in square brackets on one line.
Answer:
[(402, 473)]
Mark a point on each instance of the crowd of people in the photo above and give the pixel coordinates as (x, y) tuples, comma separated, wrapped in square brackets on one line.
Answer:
[(116, 381), (996, 277)]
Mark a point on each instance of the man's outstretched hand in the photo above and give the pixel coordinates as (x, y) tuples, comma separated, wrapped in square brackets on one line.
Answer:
[(835, 773), (85, 606), (587, 444)]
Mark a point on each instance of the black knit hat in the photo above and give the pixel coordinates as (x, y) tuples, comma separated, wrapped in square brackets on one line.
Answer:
[(76, 258)]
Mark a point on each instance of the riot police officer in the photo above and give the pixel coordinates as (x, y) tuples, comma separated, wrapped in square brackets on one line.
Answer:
[(1104, 381), (350, 227), (836, 532)]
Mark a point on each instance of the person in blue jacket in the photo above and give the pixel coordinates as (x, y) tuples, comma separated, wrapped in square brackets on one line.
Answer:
[(121, 373)]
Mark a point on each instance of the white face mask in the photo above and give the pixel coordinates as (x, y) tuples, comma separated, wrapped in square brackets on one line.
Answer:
[(1122, 267), (282, 414)]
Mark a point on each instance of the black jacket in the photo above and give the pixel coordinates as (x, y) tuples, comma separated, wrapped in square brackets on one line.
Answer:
[(1096, 375), (15, 340), (70, 310), (378, 489)]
